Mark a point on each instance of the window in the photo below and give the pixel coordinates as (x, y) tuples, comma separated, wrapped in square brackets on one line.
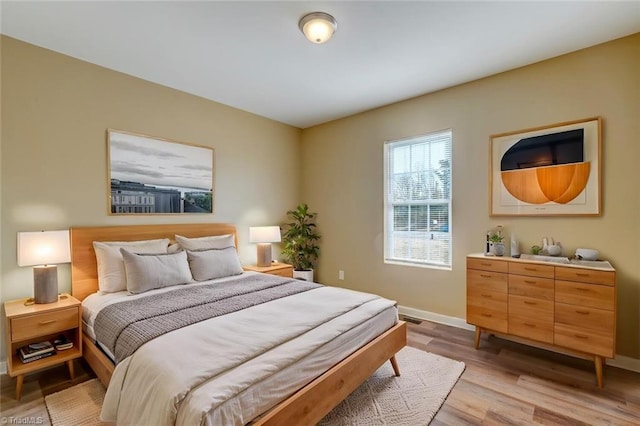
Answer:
[(417, 185)]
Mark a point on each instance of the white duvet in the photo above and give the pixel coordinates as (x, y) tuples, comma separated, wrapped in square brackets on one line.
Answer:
[(206, 373)]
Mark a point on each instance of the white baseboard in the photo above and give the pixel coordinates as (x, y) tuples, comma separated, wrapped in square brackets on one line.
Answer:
[(625, 362), (620, 361), (3, 367), (433, 317)]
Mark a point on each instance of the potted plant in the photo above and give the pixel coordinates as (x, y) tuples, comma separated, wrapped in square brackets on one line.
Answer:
[(300, 238), (496, 246)]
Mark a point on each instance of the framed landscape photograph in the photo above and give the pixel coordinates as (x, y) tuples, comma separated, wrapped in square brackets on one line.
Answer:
[(150, 175), (547, 171)]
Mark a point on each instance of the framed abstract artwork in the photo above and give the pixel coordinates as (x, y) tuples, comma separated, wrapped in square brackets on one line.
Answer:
[(547, 171), (150, 175)]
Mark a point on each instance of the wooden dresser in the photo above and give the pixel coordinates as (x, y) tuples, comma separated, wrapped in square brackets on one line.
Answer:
[(570, 308)]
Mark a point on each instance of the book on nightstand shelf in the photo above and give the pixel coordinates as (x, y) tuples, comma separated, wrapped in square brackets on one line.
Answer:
[(35, 351), (62, 343), (35, 357)]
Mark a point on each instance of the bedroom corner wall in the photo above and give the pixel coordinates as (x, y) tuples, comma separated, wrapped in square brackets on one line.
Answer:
[(55, 112), (343, 177)]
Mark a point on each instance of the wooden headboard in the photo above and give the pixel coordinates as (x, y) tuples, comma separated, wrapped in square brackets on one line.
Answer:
[(84, 269)]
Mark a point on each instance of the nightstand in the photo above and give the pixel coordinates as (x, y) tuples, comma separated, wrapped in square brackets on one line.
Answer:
[(281, 269), (37, 323)]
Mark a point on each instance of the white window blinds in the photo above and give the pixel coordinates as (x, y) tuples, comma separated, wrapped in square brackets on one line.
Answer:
[(418, 200)]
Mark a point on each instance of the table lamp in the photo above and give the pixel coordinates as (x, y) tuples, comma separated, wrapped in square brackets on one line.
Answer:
[(44, 250), (264, 236)]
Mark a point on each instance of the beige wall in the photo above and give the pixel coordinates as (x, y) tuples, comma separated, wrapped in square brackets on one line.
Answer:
[(342, 177), (55, 112)]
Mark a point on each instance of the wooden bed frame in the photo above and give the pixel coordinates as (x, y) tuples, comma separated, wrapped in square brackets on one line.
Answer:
[(310, 403)]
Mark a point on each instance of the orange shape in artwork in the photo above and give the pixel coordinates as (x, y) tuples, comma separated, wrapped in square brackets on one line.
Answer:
[(539, 185)]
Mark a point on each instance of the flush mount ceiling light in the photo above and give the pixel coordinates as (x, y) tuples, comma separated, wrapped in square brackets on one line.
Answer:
[(318, 27)]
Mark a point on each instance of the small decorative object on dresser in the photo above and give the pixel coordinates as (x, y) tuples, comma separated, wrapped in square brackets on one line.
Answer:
[(32, 328), (570, 307), (281, 269)]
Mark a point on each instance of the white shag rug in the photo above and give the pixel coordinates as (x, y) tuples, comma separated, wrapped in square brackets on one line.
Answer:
[(413, 399)]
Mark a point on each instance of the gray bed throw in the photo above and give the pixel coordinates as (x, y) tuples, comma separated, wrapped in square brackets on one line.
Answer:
[(125, 326)]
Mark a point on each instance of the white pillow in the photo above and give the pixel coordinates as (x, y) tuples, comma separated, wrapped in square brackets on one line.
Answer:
[(206, 243), (111, 275), (148, 271), (216, 263)]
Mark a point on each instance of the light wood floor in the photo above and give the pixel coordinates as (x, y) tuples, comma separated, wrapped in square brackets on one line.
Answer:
[(503, 383)]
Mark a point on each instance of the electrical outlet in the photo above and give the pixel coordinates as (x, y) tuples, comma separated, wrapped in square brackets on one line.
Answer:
[(341, 275)]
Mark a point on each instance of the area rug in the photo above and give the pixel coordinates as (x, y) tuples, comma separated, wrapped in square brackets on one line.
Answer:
[(414, 398)]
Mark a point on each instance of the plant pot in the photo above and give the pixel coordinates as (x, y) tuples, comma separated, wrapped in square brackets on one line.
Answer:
[(305, 275), (497, 249)]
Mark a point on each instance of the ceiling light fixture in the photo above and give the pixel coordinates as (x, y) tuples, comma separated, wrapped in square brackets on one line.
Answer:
[(318, 27)]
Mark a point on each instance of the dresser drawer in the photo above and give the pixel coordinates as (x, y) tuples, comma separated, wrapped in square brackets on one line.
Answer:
[(489, 281), (489, 264), (541, 331), (586, 275), (581, 339), (585, 295), (486, 318), (580, 316), (540, 288), (531, 270), (27, 327), (532, 308)]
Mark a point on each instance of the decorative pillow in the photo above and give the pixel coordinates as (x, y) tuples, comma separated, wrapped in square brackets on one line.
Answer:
[(216, 263), (148, 271), (174, 248), (111, 276), (206, 243)]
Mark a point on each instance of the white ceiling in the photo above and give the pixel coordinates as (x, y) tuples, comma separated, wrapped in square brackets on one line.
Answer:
[(252, 56)]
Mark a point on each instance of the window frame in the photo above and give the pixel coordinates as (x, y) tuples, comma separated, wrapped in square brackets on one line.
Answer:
[(388, 208)]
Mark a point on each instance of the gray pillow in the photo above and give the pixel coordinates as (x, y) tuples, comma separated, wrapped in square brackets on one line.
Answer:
[(148, 271), (216, 263), (206, 243)]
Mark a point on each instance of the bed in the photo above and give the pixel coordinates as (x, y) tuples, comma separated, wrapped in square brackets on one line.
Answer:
[(335, 369)]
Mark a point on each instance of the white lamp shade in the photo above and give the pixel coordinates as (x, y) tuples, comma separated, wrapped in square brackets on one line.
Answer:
[(264, 234), (318, 27), (43, 248)]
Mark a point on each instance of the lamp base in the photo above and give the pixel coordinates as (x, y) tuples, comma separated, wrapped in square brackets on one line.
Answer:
[(264, 254), (45, 284)]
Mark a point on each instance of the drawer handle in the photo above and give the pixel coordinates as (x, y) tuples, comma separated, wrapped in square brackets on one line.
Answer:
[(47, 322), (581, 336), (581, 289), (488, 296), (486, 315), (529, 282), (526, 302), (485, 276), (530, 269), (582, 312), (582, 274), (485, 264), (528, 324)]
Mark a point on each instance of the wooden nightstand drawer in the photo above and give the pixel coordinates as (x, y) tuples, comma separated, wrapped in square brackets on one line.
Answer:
[(288, 273), (279, 269), (27, 327)]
